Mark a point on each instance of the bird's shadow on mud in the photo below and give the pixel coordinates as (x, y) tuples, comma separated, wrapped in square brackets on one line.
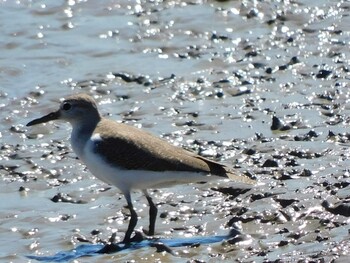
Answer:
[(161, 244)]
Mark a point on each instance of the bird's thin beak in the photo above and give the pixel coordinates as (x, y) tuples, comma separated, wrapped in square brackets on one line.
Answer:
[(49, 117)]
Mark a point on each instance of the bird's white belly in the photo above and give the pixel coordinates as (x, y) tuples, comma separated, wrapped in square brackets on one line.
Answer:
[(136, 179)]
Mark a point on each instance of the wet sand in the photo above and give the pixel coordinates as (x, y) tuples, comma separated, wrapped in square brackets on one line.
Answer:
[(262, 87)]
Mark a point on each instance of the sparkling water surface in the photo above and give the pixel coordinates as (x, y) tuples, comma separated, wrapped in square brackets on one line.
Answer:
[(205, 75)]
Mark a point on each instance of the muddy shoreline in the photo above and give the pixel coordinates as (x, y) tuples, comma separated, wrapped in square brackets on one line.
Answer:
[(262, 87)]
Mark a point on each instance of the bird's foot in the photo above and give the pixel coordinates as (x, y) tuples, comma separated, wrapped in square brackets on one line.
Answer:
[(138, 237), (148, 233), (112, 246)]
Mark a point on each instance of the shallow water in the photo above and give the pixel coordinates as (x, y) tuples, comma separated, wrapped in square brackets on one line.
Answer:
[(205, 75)]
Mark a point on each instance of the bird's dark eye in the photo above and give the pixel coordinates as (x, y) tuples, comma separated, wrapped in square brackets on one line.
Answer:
[(66, 106)]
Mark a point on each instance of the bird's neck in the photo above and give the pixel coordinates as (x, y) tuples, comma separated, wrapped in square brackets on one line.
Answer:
[(81, 133)]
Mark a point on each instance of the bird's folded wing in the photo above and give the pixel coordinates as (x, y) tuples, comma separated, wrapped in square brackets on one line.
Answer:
[(133, 149)]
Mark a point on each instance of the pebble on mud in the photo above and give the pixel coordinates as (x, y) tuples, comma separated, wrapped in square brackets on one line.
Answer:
[(343, 208), (270, 163), (66, 199)]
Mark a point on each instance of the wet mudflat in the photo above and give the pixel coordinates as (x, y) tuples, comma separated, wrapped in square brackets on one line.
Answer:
[(260, 86)]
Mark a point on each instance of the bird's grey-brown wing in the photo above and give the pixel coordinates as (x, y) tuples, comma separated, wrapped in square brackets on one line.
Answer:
[(134, 149)]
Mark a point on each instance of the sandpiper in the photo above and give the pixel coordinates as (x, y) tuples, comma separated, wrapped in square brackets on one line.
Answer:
[(131, 158)]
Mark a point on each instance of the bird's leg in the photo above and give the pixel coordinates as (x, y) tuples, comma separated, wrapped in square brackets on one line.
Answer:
[(153, 210), (133, 219)]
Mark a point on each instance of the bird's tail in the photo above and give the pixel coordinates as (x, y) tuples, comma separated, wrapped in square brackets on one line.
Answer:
[(239, 178)]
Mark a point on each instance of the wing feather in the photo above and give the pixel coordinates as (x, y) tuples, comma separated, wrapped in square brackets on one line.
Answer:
[(133, 149)]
